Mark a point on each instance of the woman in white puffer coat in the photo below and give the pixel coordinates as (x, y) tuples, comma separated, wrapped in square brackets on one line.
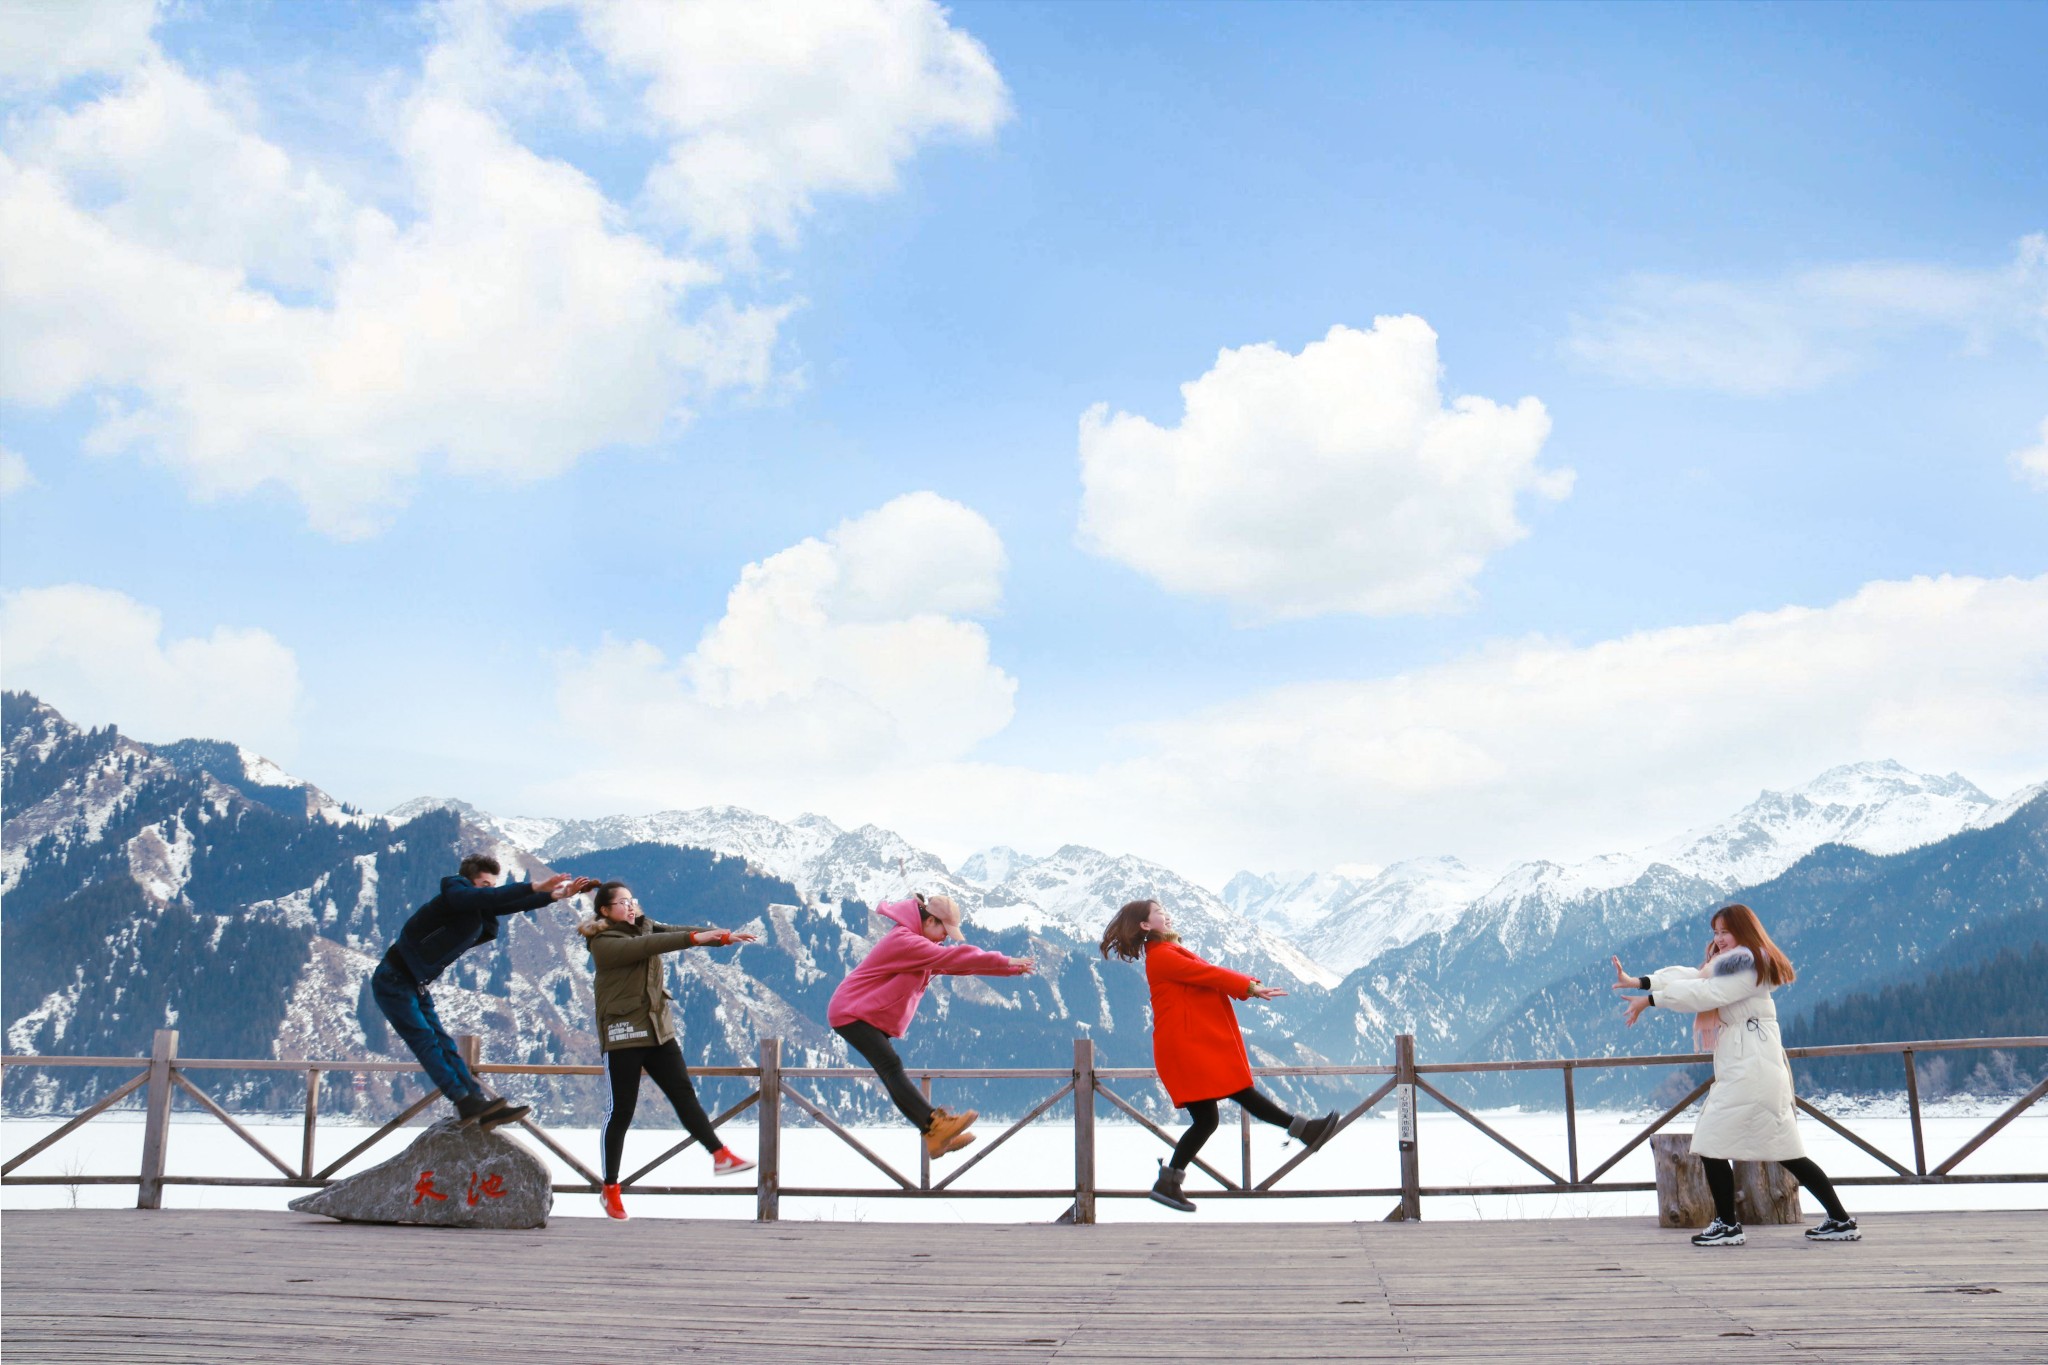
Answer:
[(1749, 1113)]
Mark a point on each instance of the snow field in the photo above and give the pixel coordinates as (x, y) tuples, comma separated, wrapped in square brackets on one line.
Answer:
[(1041, 1157)]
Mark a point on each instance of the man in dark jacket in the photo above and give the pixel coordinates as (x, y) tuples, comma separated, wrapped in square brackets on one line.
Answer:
[(465, 914)]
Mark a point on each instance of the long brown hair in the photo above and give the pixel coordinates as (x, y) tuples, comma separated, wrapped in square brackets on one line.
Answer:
[(1127, 935), (1773, 968)]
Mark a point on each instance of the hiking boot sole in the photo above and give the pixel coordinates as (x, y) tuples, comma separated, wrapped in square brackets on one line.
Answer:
[(952, 1145)]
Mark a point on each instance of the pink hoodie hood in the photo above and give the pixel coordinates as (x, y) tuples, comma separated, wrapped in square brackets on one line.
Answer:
[(887, 986)]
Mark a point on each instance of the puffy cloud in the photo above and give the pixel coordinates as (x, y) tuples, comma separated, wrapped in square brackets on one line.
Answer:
[(100, 657), (246, 321), (15, 475), (2031, 464), (1808, 327), (847, 656), (768, 103), (1336, 480), (44, 43)]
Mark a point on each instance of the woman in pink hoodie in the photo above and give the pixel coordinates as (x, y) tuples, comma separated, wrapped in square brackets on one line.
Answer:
[(879, 997)]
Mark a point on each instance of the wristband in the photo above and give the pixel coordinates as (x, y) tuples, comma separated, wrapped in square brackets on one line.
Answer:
[(1642, 983)]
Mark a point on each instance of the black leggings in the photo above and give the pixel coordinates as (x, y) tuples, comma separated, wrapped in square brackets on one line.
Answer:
[(1203, 1116), (664, 1062), (1721, 1180), (873, 1044)]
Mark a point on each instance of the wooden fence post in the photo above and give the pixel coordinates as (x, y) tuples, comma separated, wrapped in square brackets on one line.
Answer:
[(1084, 1130), (156, 1123), (768, 1153), (1913, 1109), (472, 1049), (1411, 1164), (312, 1122)]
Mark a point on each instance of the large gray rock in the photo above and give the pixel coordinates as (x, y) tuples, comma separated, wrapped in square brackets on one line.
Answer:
[(450, 1178)]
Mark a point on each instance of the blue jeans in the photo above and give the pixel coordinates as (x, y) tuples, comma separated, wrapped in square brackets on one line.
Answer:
[(411, 1011)]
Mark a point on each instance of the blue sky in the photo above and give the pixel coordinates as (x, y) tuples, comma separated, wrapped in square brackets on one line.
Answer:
[(1773, 278)]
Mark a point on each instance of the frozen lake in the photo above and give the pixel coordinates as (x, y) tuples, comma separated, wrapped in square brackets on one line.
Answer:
[(1041, 1157)]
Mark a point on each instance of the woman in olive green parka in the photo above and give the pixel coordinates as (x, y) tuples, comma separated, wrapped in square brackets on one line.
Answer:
[(637, 1030)]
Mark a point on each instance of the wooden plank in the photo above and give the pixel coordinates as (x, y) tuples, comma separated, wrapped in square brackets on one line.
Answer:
[(182, 1287)]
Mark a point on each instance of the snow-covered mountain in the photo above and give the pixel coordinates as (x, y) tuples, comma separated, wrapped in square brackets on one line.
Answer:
[(1288, 903), (1881, 808), (1450, 984), (1343, 923), (1072, 893), (1408, 900), (992, 866)]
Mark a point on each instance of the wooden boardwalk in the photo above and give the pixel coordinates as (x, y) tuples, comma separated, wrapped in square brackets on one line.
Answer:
[(111, 1286)]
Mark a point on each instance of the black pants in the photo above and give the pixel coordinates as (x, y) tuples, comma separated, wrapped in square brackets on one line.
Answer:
[(664, 1062), (873, 1044), (1721, 1180), (1203, 1114)]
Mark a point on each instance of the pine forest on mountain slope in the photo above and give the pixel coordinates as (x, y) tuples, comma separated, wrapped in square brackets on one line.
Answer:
[(154, 885)]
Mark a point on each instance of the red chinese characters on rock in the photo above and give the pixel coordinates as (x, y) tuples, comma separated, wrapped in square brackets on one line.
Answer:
[(481, 1187)]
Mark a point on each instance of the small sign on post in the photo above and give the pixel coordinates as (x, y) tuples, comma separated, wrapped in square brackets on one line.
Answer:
[(1405, 1097)]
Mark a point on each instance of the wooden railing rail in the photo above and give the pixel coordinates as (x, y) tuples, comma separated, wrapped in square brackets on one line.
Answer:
[(163, 1074)]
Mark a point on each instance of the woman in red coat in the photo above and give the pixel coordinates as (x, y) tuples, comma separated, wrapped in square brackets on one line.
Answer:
[(1196, 1046)]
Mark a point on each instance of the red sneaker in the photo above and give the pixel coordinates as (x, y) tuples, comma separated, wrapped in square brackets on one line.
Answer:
[(725, 1161), (614, 1206)]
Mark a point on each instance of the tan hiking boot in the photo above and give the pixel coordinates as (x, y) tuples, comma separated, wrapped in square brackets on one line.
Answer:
[(955, 1144), (938, 1139)]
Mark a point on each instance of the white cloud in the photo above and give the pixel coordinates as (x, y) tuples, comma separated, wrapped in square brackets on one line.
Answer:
[(2031, 464), (1806, 328), (44, 43), (768, 103), (1526, 749), (101, 658), (15, 475), (1336, 480), (241, 318), (847, 656)]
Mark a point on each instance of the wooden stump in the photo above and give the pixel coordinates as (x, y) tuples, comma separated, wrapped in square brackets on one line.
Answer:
[(1764, 1191)]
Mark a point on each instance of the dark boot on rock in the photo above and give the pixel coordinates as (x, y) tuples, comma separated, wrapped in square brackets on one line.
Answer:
[(500, 1112), (1166, 1190)]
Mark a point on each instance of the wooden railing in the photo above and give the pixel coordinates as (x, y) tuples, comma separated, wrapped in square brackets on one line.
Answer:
[(164, 1074)]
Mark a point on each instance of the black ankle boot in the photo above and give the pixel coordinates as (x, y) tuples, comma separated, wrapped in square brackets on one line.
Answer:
[(1166, 1189), (1312, 1133), (500, 1112)]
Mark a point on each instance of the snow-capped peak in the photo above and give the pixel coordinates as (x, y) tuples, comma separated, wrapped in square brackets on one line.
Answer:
[(2004, 810), (1404, 902), (993, 866), (523, 832), (1881, 807)]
